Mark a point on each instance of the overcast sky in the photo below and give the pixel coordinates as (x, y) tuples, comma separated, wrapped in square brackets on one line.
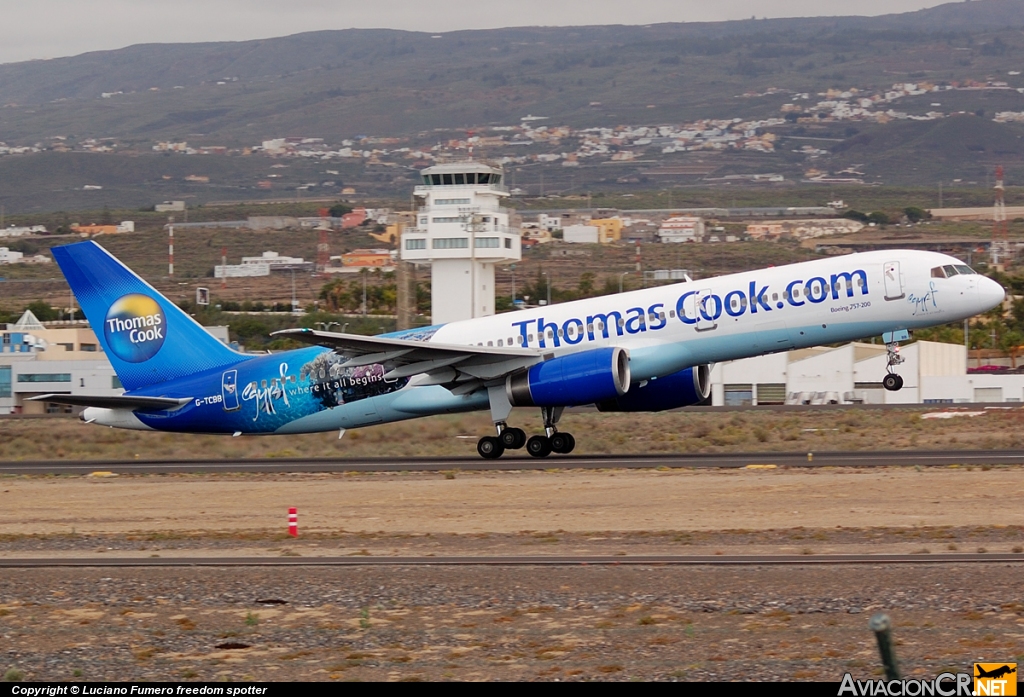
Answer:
[(53, 28)]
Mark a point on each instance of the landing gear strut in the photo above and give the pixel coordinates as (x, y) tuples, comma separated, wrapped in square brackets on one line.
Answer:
[(892, 381)]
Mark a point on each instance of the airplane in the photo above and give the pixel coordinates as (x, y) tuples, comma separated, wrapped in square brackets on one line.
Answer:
[(643, 350)]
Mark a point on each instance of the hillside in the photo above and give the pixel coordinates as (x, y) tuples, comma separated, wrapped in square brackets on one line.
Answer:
[(425, 90)]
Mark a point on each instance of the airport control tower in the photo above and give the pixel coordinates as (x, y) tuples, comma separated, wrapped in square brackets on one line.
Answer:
[(462, 231)]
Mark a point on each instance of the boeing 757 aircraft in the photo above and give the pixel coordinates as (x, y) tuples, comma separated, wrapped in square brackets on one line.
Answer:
[(645, 350)]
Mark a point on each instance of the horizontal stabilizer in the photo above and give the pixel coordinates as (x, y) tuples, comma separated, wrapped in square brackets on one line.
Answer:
[(116, 402)]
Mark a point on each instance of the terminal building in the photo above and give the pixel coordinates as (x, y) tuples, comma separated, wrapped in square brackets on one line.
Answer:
[(462, 231), (933, 373), (62, 358)]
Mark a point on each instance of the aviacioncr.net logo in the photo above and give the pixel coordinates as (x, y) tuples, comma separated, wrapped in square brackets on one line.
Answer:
[(135, 327)]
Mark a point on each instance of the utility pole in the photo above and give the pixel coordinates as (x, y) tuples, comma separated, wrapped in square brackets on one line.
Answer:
[(364, 292), (940, 194), (170, 246)]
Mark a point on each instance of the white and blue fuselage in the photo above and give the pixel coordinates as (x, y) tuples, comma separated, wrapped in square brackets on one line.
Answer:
[(665, 330)]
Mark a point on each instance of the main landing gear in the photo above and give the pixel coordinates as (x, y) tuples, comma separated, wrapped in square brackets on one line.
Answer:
[(553, 440), (892, 381)]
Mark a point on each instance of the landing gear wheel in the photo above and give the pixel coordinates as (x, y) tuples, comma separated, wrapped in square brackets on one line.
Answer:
[(562, 443), (490, 448), (513, 438), (538, 446), (892, 382)]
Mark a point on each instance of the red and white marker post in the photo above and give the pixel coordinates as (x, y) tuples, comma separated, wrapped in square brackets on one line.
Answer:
[(293, 522)]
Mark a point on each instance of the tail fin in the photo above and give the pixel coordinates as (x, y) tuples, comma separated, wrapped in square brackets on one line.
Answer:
[(147, 338)]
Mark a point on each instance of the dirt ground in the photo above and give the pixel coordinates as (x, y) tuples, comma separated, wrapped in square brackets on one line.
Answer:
[(513, 623), (510, 502)]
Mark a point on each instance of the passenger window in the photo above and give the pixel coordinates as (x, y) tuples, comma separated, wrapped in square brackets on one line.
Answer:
[(500, 342), (590, 327), (263, 384), (510, 341), (551, 335), (559, 332), (775, 296), (530, 338), (672, 313), (661, 315), (490, 343)]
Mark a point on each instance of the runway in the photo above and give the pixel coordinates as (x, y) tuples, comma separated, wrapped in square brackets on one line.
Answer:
[(902, 458), (535, 560)]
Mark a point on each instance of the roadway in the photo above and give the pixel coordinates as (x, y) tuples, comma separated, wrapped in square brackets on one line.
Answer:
[(537, 560), (902, 458)]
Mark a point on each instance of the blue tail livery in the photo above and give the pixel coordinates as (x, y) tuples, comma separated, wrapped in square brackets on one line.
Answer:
[(148, 339)]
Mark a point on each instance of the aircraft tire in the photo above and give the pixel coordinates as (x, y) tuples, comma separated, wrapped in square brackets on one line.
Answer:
[(563, 443), (513, 438), (490, 448), (538, 446), (892, 382)]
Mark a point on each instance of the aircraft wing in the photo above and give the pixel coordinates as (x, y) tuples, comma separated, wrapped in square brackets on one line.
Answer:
[(115, 402), (462, 369)]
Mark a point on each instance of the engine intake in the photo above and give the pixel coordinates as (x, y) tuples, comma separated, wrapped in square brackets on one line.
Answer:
[(579, 378), (682, 389)]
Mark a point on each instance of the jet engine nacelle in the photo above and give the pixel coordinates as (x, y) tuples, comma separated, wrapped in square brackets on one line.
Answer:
[(579, 378), (682, 389)]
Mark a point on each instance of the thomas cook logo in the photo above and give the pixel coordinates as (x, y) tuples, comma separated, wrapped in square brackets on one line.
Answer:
[(995, 679), (134, 327)]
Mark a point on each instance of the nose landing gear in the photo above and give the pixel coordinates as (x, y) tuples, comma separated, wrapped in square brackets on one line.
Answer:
[(892, 381)]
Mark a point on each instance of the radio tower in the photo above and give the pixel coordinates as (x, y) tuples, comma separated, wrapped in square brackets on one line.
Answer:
[(1000, 251)]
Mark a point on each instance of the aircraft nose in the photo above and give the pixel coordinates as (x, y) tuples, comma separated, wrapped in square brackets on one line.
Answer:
[(990, 293)]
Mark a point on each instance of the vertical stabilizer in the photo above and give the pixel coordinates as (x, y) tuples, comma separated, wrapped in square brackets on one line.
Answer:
[(147, 338)]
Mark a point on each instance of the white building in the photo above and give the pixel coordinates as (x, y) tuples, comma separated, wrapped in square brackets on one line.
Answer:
[(550, 222), (682, 228), (8, 256), (274, 260), (462, 231), (13, 231), (933, 373), (169, 206), (580, 234)]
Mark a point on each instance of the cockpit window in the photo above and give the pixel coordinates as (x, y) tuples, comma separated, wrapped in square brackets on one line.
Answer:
[(965, 270), (937, 272), (950, 270)]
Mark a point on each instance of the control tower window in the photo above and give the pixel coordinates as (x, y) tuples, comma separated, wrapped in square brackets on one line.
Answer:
[(436, 179), (482, 178), (426, 179), (460, 178), (471, 177), (446, 179), (495, 178)]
